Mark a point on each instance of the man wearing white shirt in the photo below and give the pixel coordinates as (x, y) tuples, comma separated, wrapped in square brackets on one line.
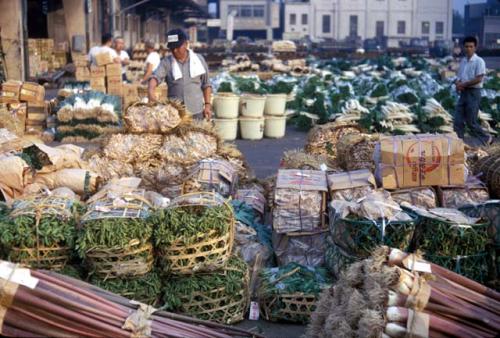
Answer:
[(469, 84), (152, 60), (123, 55), (106, 43)]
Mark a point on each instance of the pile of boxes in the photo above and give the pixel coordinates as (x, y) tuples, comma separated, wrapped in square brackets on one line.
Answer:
[(23, 108), (45, 57), (82, 72)]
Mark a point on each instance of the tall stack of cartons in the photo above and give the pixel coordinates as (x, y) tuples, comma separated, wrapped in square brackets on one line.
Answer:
[(114, 79), (82, 72), (98, 78), (23, 107), (44, 57)]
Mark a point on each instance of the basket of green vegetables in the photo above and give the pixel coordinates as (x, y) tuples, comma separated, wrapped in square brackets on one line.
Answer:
[(115, 236), (195, 233)]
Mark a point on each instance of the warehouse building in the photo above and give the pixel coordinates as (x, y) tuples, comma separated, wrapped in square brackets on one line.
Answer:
[(483, 21), (398, 20), (77, 25)]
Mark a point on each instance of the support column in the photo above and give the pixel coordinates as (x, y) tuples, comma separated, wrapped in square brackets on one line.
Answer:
[(74, 15), (12, 38)]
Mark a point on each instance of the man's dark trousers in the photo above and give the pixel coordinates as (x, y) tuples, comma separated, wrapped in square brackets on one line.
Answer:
[(467, 112)]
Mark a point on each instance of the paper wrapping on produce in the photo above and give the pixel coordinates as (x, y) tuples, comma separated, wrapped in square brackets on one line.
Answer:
[(473, 192), (424, 197), (65, 156), (212, 175), (308, 250), (118, 202), (252, 197), (299, 200), (246, 244), (116, 187), (81, 181), (16, 174), (420, 160), (14, 118), (351, 185), (154, 118)]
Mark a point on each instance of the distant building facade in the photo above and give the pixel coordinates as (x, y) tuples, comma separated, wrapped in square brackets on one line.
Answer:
[(483, 21), (254, 18), (398, 20)]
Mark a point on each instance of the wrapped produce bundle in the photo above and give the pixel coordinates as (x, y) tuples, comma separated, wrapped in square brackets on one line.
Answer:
[(358, 228), (81, 181), (187, 145), (454, 240), (195, 233), (157, 175), (130, 148), (396, 294), (298, 159), (323, 139), (115, 236), (221, 296), (108, 169), (40, 231), (303, 248), (336, 259), (16, 174), (158, 117), (299, 201), (145, 288), (87, 116), (355, 151), (457, 196), (253, 196), (351, 185), (212, 175), (424, 197), (290, 292)]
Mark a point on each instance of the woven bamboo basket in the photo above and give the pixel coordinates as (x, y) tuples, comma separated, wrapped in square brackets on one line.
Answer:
[(134, 260), (296, 307), (208, 252), (218, 305), (471, 266), (52, 258), (488, 168)]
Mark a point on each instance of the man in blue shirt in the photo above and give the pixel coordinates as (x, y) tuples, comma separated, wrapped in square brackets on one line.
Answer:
[(469, 84)]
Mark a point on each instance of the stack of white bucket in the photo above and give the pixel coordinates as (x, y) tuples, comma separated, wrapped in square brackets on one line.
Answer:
[(260, 116)]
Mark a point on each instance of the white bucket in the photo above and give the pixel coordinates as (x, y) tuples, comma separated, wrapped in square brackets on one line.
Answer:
[(275, 126), (275, 104), (226, 106), (252, 105), (251, 128), (227, 129)]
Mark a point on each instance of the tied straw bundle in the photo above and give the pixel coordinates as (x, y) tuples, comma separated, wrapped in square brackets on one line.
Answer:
[(395, 294), (42, 303)]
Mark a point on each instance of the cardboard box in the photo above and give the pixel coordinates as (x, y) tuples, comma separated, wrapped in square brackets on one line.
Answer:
[(97, 82), (115, 90), (97, 72), (10, 91), (82, 72), (80, 60), (32, 92), (114, 70), (114, 81), (420, 160), (103, 59), (13, 117), (37, 113)]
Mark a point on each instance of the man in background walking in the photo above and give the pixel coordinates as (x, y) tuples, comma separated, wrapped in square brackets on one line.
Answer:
[(469, 83)]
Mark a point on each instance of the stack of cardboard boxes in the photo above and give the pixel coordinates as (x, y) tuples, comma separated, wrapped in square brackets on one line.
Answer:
[(44, 56), (23, 109), (82, 72)]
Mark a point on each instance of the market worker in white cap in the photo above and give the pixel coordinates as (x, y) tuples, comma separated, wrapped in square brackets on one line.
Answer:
[(186, 75)]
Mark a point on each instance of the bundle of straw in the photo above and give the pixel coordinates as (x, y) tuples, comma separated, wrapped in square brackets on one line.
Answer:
[(395, 294)]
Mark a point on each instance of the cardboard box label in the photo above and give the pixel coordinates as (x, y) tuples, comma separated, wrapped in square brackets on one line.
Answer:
[(114, 70), (314, 180), (97, 71), (421, 160)]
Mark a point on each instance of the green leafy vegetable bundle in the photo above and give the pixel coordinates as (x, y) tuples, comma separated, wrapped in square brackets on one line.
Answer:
[(145, 289), (39, 231), (220, 296)]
